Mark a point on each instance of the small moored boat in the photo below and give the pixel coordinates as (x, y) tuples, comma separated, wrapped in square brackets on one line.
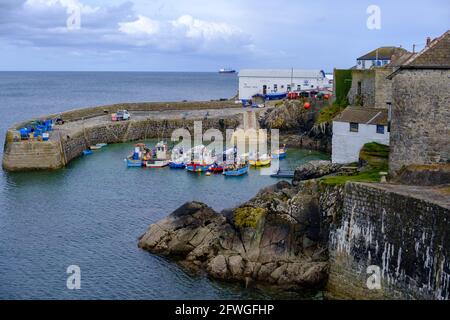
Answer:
[(157, 157), (236, 169), (260, 161), (280, 153)]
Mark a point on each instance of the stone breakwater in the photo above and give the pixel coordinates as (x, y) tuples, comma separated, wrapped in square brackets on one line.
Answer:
[(316, 236), (89, 126)]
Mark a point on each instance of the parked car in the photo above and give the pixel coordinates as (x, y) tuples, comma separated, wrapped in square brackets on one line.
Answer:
[(121, 115)]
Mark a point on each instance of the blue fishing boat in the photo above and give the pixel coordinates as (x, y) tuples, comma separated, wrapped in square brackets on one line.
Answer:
[(134, 163), (177, 165), (87, 152), (279, 154), (136, 158), (236, 170)]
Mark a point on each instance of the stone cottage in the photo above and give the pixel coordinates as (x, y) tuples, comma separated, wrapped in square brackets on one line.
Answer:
[(420, 123), (370, 86)]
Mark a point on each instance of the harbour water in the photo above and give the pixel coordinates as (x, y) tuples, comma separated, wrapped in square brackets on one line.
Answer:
[(91, 213)]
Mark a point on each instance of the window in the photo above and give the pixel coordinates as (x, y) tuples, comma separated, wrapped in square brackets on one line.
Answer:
[(299, 87), (306, 82), (354, 127), (359, 90), (282, 86), (380, 129), (288, 88), (275, 88), (364, 64)]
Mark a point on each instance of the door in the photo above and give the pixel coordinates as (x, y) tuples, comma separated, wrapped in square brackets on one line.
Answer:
[(264, 89)]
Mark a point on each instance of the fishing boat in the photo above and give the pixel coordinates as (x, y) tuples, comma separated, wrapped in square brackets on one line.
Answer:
[(216, 168), (237, 169), (201, 159), (280, 153), (87, 152), (197, 167), (260, 161), (158, 156), (136, 158), (178, 159)]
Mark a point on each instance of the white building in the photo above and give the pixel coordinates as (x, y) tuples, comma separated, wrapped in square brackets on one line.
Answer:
[(379, 57), (355, 127), (263, 81)]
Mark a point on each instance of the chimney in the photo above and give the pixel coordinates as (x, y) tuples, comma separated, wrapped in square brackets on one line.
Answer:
[(428, 41)]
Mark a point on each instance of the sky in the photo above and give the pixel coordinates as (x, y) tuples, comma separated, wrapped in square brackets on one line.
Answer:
[(205, 35)]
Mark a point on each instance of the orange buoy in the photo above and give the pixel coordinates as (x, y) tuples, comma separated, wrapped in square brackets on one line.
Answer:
[(307, 105)]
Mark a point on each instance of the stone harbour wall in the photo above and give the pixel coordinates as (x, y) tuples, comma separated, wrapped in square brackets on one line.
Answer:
[(406, 237), (59, 151), (420, 130)]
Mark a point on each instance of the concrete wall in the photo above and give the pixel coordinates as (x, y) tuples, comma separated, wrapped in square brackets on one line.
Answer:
[(398, 229), (346, 144), (249, 86), (420, 130)]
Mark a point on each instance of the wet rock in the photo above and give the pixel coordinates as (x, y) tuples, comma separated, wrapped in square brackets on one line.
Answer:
[(314, 169)]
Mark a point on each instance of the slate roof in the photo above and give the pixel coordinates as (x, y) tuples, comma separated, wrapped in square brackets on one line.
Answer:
[(363, 115), (384, 53), (436, 55), (281, 73)]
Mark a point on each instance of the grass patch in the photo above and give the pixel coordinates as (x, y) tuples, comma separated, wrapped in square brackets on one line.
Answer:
[(327, 114), (376, 150), (248, 217), (368, 175), (376, 156)]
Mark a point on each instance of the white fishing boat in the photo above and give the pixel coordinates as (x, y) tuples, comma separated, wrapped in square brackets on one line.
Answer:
[(158, 157)]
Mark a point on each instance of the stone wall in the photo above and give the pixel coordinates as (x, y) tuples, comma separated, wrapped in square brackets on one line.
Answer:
[(34, 155), (420, 127), (367, 80), (399, 229), (383, 87), (376, 89), (59, 151)]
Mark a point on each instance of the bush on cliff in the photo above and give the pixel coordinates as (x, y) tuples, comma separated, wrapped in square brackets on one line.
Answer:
[(248, 217), (327, 114)]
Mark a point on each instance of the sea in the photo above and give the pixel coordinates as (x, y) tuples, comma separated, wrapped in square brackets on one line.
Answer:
[(90, 214)]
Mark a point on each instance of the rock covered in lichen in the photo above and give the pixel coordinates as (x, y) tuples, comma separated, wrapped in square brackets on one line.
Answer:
[(273, 238)]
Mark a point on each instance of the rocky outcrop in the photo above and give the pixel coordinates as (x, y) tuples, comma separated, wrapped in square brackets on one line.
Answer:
[(274, 238), (314, 169), (298, 126)]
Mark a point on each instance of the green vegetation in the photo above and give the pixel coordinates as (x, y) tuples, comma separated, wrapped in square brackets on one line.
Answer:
[(342, 83), (328, 113), (374, 156), (375, 149), (248, 217)]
